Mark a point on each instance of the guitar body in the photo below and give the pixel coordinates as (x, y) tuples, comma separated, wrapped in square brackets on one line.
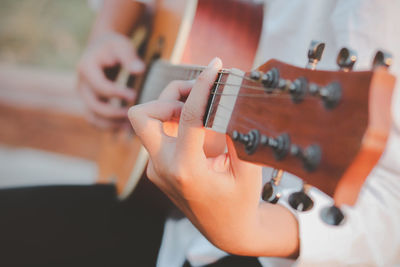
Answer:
[(182, 32)]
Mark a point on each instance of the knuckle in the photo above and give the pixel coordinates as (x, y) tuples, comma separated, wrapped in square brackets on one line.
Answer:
[(202, 78), (189, 115), (180, 173)]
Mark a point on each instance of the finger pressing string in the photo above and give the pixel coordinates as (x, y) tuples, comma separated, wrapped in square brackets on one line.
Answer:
[(190, 133)]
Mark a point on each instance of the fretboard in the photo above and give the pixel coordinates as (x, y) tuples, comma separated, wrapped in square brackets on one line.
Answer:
[(222, 98), (161, 73)]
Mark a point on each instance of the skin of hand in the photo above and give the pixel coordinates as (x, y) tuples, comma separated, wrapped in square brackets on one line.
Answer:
[(218, 192), (96, 90)]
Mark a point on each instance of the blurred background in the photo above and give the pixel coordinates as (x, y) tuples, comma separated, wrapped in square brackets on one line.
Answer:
[(44, 138)]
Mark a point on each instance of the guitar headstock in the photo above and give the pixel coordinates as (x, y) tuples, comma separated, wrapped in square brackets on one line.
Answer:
[(327, 127)]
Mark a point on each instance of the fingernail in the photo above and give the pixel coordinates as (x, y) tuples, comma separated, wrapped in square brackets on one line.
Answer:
[(213, 62), (137, 66)]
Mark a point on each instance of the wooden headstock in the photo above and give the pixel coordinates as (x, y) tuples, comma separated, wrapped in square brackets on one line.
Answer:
[(327, 127)]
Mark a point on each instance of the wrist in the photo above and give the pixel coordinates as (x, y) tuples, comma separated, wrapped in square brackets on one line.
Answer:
[(272, 233), (278, 233)]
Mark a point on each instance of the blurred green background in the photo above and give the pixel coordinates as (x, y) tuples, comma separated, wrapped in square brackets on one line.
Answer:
[(50, 34)]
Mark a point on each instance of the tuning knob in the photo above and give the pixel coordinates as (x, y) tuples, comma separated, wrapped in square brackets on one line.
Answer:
[(332, 215), (300, 201), (382, 58), (311, 156), (271, 192), (250, 140), (315, 52), (255, 75), (280, 144), (346, 59)]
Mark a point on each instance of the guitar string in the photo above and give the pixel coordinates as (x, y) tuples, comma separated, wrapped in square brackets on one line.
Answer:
[(200, 69), (259, 88), (190, 76), (194, 70), (281, 94), (259, 96)]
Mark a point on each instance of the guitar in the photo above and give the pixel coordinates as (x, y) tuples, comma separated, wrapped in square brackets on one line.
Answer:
[(181, 32), (327, 127)]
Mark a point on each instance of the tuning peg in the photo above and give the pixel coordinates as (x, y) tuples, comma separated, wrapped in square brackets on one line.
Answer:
[(315, 53), (255, 75), (271, 192), (311, 156), (300, 201), (346, 59), (382, 58), (332, 215), (280, 144), (250, 140)]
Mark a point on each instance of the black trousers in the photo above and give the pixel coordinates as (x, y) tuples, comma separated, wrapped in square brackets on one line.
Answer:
[(85, 226)]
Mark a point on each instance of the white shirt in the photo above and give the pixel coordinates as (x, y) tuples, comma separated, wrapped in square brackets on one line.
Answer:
[(370, 235)]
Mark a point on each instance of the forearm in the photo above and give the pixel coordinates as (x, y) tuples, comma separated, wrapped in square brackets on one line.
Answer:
[(117, 16)]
